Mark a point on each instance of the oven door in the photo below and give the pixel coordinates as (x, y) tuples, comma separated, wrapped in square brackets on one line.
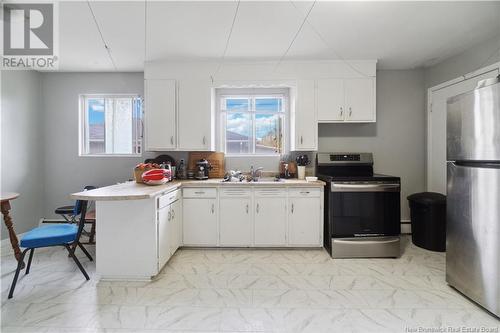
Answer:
[(365, 209)]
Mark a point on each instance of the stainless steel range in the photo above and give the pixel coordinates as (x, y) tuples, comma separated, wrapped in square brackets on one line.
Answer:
[(362, 209)]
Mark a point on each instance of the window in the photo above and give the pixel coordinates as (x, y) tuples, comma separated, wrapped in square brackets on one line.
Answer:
[(110, 125), (252, 122)]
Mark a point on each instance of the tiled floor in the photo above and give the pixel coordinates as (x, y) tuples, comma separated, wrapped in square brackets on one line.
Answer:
[(242, 290)]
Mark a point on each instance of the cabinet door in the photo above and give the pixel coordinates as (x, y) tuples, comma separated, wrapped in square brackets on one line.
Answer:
[(160, 115), (235, 222), (175, 226), (199, 222), (164, 219), (330, 100), (304, 221), (305, 120), (360, 99), (270, 221), (195, 115)]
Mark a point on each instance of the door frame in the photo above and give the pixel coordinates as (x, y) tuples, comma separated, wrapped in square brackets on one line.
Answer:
[(440, 86)]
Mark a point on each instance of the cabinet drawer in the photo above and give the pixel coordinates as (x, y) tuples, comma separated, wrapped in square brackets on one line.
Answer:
[(199, 192), (235, 192), (307, 192), (270, 192), (168, 198)]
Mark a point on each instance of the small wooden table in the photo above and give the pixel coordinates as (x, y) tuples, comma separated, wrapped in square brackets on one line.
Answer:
[(5, 198)]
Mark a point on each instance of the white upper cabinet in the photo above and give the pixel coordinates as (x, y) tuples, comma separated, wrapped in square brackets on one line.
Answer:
[(196, 120), (360, 99), (160, 115), (346, 100), (304, 121), (330, 99)]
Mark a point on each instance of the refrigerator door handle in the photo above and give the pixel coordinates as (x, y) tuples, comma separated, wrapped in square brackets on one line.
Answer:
[(476, 164)]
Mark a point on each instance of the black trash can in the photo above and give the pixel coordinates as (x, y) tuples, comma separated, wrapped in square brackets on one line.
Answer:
[(428, 220)]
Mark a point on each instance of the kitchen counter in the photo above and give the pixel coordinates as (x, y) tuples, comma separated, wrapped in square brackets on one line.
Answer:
[(134, 191)]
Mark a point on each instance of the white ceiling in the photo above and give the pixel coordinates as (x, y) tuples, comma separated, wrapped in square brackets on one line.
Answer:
[(400, 35)]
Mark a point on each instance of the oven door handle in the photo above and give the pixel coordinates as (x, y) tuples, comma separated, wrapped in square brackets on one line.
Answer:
[(365, 187)]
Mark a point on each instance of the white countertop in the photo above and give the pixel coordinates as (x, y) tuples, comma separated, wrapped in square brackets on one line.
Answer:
[(134, 191)]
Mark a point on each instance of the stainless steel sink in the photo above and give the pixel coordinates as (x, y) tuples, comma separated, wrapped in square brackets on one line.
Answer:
[(266, 180)]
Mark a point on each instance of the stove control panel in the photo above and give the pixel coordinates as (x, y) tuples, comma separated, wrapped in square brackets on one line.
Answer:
[(344, 158), (347, 157)]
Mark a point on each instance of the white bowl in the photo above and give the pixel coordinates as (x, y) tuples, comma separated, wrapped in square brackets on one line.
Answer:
[(311, 179)]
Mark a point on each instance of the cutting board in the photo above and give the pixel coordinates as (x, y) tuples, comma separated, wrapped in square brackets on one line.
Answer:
[(215, 159)]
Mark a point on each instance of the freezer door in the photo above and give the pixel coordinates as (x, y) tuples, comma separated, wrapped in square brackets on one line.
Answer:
[(473, 233), (473, 125)]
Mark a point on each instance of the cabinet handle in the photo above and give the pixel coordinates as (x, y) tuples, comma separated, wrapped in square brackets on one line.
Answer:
[(169, 216), (304, 192), (292, 208), (199, 192), (257, 208), (341, 111), (204, 140), (350, 112), (301, 140), (247, 208), (173, 213), (213, 208), (172, 140)]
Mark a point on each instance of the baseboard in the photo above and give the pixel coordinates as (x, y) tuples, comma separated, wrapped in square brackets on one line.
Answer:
[(406, 227)]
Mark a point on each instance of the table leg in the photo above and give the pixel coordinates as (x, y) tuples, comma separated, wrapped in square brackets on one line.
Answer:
[(5, 207)]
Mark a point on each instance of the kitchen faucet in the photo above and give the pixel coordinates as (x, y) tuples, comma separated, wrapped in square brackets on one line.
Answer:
[(253, 173)]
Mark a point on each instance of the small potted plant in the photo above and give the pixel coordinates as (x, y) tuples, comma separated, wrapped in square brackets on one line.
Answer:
[(302, 162)]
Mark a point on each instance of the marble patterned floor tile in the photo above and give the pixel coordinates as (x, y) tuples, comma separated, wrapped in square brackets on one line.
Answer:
[(240, 290)]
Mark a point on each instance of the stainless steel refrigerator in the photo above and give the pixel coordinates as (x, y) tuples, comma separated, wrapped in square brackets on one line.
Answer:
[(473, 194)]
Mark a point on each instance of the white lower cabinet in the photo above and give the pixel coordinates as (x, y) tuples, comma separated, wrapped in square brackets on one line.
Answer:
[(168, 222), (199, 221), (303, 226), (163, 236), (175, 226), (270, 221), (235, 222), (246, 217)]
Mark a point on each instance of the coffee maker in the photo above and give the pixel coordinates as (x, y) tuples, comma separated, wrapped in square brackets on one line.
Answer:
[(202, 169)]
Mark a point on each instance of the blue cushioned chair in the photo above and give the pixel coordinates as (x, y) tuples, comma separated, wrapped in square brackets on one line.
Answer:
[(67, 235)]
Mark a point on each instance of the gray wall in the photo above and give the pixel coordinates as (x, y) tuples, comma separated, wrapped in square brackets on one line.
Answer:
[(66, 172), (396, 139), (21, 147), (483, 54)]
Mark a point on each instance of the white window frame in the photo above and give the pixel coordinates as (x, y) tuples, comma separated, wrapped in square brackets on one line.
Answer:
[(235, 93), (83, 129)]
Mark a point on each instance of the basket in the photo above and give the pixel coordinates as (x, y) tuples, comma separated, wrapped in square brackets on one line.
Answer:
[(138, 174)]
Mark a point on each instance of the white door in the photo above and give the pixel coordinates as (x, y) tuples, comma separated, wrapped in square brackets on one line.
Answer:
[(305, 121), (360, 99), (164, 219), (436, 139), (235, 222), (330, 100), (195, 115), (160, 115), (304, 221), (175, 226), (199, 222), (270, 221)]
